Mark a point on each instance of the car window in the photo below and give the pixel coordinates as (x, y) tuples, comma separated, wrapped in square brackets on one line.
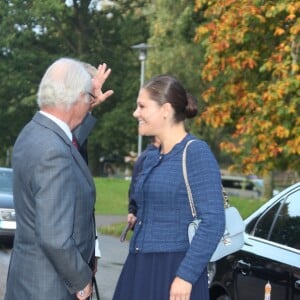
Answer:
[(281, 223), (5, 181), (238, 184), (286, 230), (264, 223)]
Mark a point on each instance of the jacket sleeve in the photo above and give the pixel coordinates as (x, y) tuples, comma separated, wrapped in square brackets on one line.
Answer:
[(205, 182), (137, 168), (83, 130)]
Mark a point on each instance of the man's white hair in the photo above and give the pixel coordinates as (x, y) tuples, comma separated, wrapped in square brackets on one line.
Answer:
[(63, 83)]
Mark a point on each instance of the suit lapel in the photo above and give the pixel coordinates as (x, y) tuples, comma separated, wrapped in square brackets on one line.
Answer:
[(46, 122), (81, 163)]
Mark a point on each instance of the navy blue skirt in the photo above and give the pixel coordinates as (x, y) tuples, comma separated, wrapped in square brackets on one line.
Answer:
[(149, 276)]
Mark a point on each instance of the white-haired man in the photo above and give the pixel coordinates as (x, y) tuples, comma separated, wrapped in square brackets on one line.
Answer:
[(54, 192)]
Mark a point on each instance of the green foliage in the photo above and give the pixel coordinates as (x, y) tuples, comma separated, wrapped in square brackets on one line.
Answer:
[(172, 31), (34, 33), (173, 50), (244, 70)]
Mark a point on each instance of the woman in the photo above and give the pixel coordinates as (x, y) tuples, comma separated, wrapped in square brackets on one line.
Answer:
[(161, 264)]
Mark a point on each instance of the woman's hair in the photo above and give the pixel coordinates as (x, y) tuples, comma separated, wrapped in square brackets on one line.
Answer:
[(63, 82), (167, 89)]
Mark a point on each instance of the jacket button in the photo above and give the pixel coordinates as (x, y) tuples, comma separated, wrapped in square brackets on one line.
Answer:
[(140, 222)]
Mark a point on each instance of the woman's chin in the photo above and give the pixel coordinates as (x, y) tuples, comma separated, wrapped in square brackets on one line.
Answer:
[(144, 133)]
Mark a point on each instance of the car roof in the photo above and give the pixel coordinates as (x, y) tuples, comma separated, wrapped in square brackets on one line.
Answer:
[(233, 177), (6, 169)]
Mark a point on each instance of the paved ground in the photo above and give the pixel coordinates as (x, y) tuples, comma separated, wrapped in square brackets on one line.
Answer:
[(4, 261), (109, 267), (103, 220), (113, 256)]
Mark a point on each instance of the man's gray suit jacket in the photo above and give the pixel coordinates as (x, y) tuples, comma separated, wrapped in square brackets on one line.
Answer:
[(54, 197)]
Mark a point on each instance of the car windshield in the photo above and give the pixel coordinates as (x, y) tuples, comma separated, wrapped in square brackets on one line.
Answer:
[(5, 181)]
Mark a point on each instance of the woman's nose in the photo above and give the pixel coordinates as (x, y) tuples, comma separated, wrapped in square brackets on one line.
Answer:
[(136, 113)]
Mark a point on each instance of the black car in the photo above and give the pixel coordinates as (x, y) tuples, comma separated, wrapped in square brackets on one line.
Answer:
[(271, 253), (7, 210)]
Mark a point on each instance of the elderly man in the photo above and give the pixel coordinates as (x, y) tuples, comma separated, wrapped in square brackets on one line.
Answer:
[(54, 191)]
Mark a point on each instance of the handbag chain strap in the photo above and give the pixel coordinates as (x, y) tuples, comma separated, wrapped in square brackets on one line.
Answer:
[(188, 188)]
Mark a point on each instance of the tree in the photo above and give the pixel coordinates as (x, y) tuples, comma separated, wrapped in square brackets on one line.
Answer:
[(116, 131), (173, 51), (252, 77), (35, 33), (172, 29)]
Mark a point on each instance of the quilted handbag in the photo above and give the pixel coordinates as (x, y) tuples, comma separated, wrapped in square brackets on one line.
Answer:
[(233, 237)]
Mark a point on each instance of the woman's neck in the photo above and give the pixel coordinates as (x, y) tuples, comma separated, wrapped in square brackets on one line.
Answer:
[(171, 139)]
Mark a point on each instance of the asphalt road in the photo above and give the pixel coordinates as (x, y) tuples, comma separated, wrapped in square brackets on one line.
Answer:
[(113, 256), (109, 266), (4, 261)]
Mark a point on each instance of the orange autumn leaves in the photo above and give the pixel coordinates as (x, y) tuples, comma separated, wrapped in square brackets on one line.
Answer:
[(252, 75)]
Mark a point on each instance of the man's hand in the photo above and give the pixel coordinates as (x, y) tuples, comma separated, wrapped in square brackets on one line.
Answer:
[(85, 293), (95, 266), (98, 81)]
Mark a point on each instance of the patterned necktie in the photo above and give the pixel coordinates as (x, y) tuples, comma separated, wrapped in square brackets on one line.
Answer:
[(74, 142)]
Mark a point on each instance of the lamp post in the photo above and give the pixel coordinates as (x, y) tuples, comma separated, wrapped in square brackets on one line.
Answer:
[(142, 57)]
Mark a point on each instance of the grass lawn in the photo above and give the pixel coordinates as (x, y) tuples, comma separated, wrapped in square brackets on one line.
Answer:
[(112, 196), (112, 199)]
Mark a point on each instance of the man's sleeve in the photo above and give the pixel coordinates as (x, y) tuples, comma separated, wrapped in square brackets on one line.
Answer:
[(82, 131)]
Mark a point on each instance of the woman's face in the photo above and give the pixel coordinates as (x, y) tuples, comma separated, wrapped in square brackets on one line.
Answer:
[(149, 114)]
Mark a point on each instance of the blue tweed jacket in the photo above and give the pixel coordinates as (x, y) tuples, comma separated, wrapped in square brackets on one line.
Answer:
[(164, 213)]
